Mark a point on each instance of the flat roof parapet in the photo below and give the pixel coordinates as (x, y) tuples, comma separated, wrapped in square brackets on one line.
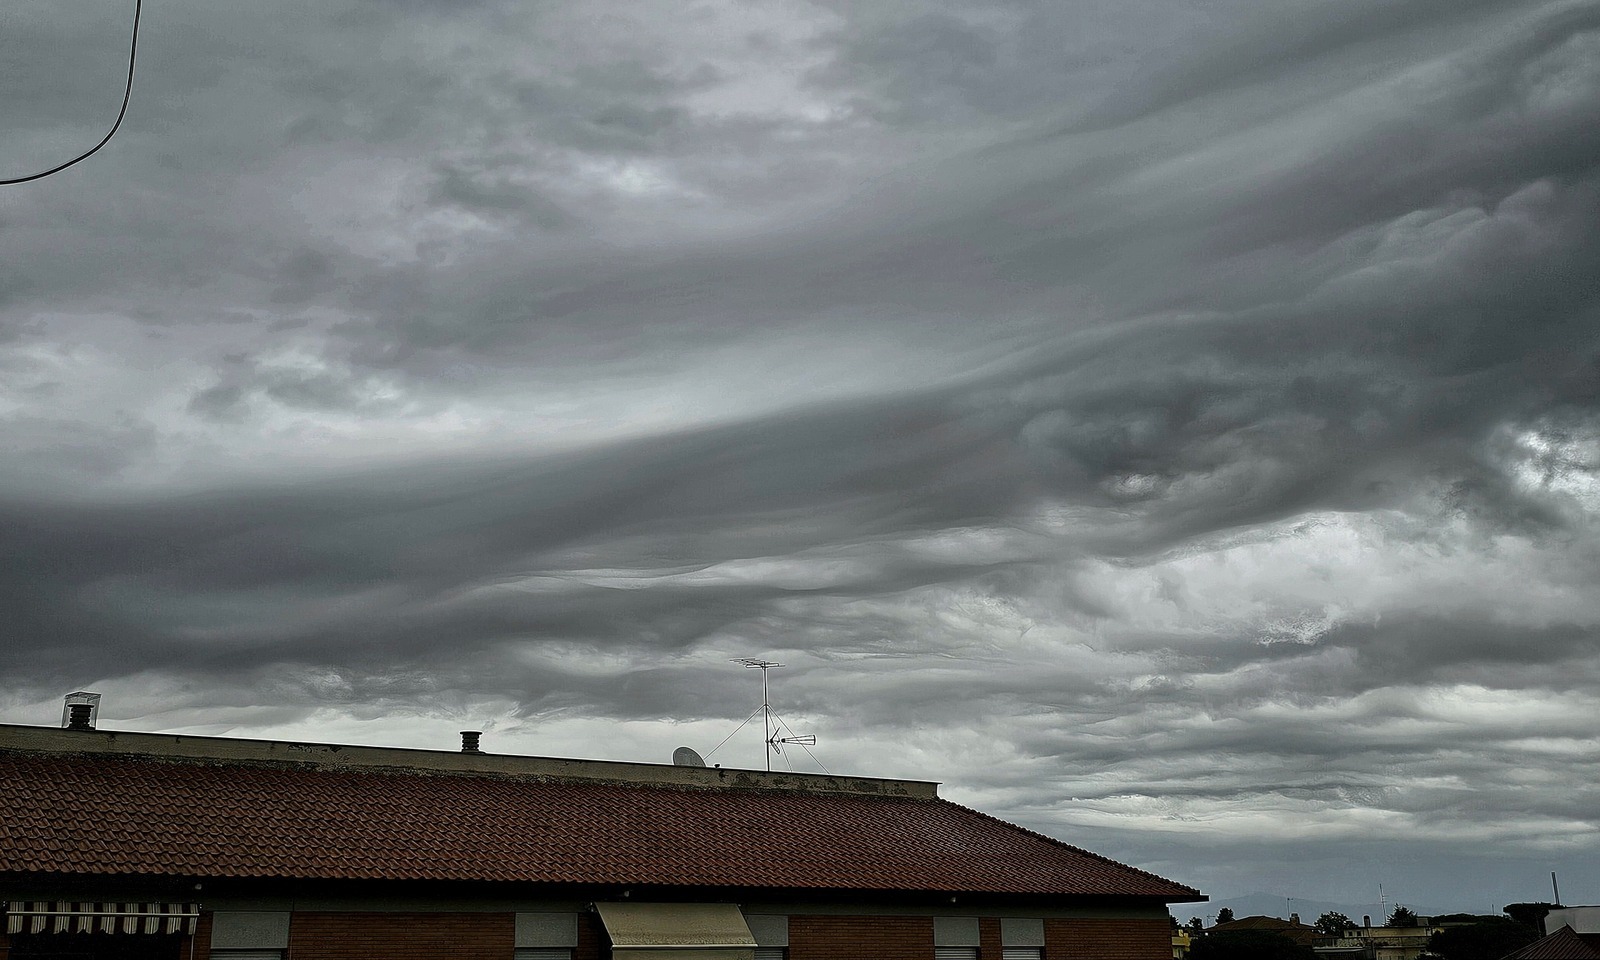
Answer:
[(333, 756)]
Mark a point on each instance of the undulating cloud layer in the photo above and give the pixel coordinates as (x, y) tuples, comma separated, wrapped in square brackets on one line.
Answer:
[(1175, 427)]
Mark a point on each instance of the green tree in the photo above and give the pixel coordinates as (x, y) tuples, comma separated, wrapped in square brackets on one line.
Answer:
[(1332, 924), (1532, 914), (1225, 915), (1402, 917), (1196, 925), (1489, 939), (1249, 945)]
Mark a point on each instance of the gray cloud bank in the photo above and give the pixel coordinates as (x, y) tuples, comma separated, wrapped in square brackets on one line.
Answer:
[(1177, 433)]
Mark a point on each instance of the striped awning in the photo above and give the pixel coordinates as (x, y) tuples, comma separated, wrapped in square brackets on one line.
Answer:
[(79, 916)]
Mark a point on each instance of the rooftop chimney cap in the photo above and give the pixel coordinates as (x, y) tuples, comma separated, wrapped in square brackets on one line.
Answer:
[(469, 741), (74, 718), (78, 717)]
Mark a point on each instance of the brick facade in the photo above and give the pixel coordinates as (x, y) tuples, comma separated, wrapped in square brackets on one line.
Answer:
[(911, 938), (490, 936), (401, 936), (202, 936), (591, 938), (1084, 939), (861, 938), (989, 938)]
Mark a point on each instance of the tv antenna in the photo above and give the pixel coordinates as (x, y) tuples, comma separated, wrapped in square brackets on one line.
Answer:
[(773, 731)]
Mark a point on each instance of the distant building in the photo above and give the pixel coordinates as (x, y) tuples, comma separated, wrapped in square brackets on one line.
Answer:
[(1574, 935), (1368, 942), (1291, 928), (140, 846)]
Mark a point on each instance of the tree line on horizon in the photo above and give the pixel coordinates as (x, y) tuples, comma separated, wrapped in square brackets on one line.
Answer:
[(1462, 936)]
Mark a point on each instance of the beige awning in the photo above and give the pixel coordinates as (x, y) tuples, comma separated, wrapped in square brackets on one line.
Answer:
[(78, 916), (677, 931)]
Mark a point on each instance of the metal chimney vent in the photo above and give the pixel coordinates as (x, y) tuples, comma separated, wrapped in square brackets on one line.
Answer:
[(469, 741), (86, 716)]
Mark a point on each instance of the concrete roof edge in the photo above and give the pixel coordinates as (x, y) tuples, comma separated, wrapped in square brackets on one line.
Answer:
[(336, 756)]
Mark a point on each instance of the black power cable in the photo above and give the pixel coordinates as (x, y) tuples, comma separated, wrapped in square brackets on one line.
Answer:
[(133, 50)]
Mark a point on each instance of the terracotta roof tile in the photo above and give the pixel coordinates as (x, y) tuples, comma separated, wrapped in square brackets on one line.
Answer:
[(1564, 944), (101, 815)]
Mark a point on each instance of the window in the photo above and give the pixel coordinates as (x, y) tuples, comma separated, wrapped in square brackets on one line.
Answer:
[(545, 936), (249, 934), (955, 938), (1021, 938)]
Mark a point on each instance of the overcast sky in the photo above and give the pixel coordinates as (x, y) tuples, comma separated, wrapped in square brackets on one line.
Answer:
[(1173, 425)]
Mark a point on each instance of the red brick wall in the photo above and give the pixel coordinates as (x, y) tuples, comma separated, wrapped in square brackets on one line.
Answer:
[(861, 938), (1107, 940), (591, 937), (490, 936), (911, 938), (401, 936), (202, 937), (988, 938)]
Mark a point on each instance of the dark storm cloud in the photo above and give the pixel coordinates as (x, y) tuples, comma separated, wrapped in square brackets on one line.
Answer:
[(1155, 421), (1485, 143), (469, 552)]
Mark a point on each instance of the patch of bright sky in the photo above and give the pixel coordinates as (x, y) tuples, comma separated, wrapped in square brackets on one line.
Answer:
[(1300, 578), (818, 568), (393, 422), (1567, 465), (162, 704)]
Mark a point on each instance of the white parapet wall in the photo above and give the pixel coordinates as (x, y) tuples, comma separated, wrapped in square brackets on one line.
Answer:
[(1580, 919)]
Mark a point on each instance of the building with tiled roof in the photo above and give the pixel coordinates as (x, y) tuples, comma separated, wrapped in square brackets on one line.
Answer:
[(1291, 928), (146, 846), (1574, 935), (1564, 944)]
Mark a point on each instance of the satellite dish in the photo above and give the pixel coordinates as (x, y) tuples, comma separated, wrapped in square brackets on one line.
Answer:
[(686, 757)]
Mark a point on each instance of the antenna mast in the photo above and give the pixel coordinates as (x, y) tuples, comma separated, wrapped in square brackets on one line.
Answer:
[(770, 733)]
